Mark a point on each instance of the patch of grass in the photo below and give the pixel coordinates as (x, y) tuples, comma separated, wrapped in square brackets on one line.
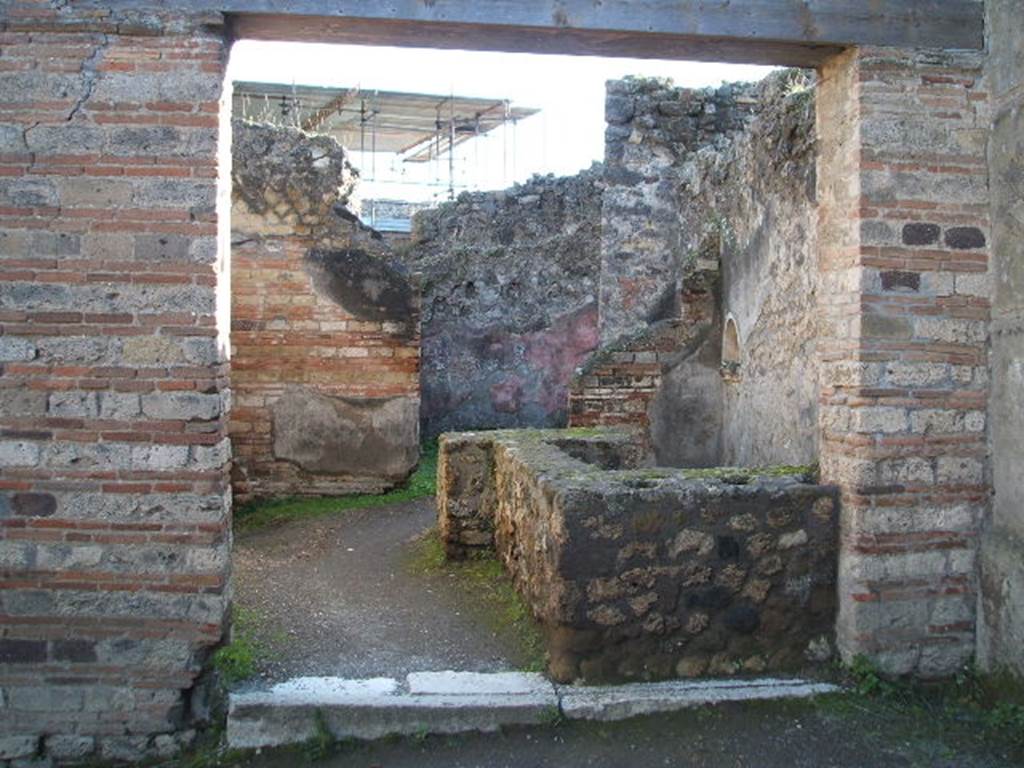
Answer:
[(427, 554), (213, 753), (490, 595), (240, 659), (552, 716), (260, 514), (983, 710), (236, 661), (320, 745), (584, 432), (504, 610)]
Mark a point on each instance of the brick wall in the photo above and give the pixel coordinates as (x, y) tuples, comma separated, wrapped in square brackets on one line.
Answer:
[(326, 391), (904, 257), (114, 508), (622, 385)]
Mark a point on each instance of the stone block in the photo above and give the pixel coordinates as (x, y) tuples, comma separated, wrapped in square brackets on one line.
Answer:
[(886, 326), (323, 434), (159, 458), (371, 709), (22, 402), (19, 453), (964, 238), (895, 280), (126, 749), (620, 702), (921, 235), (959, 469), (185, 406), (91, 192), (28, 192), (15, 350), (15, 651), (74, 404), (27, 504), (951, 330), (152, 350), (879, 419), (16, 746), (476, 683), (69, 748)]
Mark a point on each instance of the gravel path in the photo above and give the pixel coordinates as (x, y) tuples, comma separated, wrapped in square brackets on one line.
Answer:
[(337, 596)]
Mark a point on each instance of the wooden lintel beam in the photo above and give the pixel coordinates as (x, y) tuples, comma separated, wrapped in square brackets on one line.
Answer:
[(772, 31), (527, 40), (795, 32)]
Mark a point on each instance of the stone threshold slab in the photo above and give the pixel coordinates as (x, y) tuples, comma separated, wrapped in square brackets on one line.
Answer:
[(454, 702), (618, 702)]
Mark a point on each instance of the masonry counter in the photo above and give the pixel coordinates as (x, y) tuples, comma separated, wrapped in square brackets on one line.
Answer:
[(638, 572)]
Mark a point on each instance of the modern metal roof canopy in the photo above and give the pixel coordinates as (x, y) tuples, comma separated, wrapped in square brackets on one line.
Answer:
[(418, 127)]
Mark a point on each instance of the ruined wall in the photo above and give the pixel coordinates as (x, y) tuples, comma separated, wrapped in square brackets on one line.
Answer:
[(755, 195), (325, 330), (114, 505), (1001, 621), (652, 129), (732, 173), (510, 301)]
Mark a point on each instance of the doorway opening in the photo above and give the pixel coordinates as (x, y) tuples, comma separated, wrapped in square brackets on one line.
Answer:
[(365, 324)]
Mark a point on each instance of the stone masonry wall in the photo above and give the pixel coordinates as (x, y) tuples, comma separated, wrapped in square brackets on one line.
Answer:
[(904, 304), (466, 500), (325, 329), (114, 501), (1001, 620), (755, 196), (652, 129), (648, 574), (742, 183), (509, 301)]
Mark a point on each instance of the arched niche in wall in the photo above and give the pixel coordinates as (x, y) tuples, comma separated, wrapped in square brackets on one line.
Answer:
[(731, 349)]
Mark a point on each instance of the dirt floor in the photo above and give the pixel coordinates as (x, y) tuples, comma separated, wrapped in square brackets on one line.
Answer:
[(350, 595), (834, 732)]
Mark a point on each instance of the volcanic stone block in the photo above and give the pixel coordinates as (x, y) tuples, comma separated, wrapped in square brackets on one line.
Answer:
[(332, 435), (920, 234)]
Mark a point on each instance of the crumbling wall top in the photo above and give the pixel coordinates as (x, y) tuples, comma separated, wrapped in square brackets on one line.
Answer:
[(302, 182)]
